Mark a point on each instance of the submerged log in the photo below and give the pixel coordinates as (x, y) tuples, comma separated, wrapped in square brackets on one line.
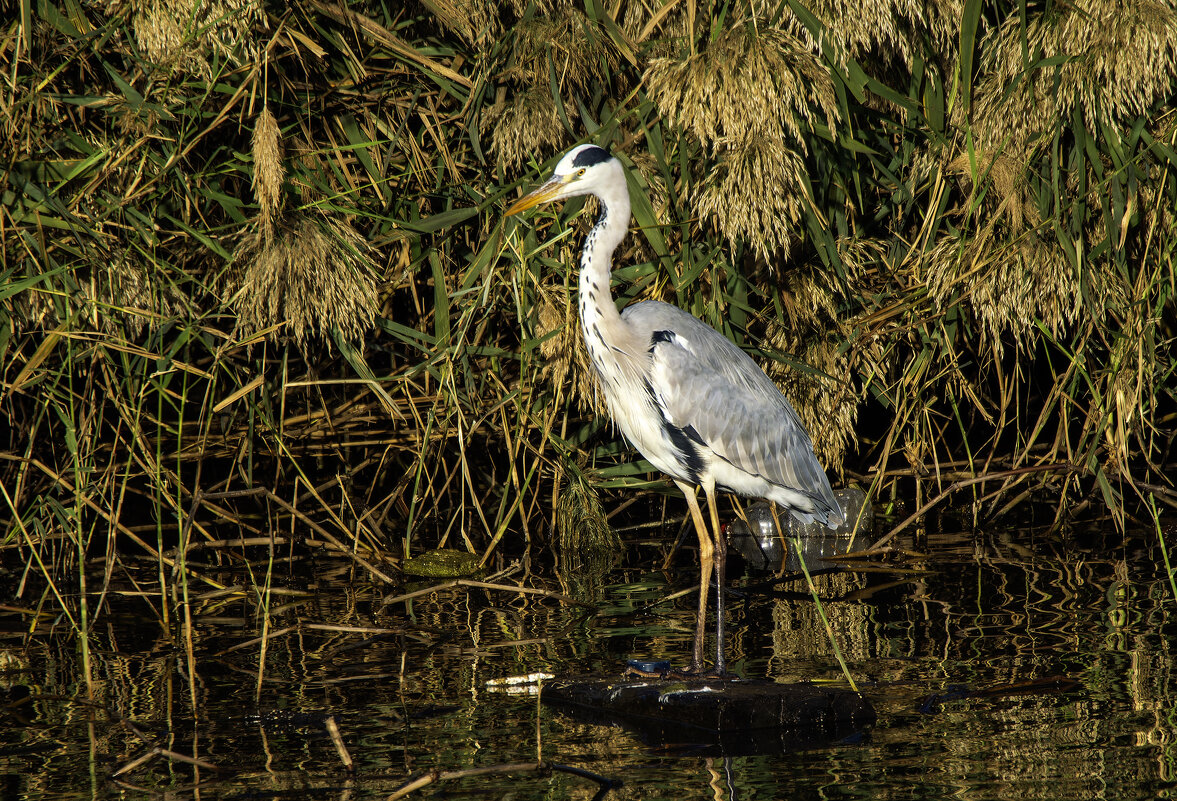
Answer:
[(725, 716)]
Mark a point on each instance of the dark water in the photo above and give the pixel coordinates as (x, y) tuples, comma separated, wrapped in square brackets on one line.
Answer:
[(981, 612)]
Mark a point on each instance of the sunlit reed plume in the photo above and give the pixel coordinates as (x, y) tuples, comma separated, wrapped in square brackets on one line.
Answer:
[(269, 173), (565, 363), (824, 400), (1012, 287), (566, 45), (132, 295), (1003, 179), (753, 96), (524, 125), (877, 30), (754, 194), (188, 34), (313, 275), (748, 81), (479, 20), (122, 296), (1118, 58)]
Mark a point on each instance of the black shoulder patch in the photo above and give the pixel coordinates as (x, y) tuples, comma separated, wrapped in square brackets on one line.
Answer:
[(686, 441), (591, 155), (661, 336), (690, 433)]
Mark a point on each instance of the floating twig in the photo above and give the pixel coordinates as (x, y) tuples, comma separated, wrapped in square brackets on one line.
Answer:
[(337, 739)]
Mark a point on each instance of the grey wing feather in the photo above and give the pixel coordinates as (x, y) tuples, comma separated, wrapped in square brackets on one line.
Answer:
[(703, 380)]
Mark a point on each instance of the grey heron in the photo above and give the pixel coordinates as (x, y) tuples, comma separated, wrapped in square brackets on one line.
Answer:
[(691, 401)]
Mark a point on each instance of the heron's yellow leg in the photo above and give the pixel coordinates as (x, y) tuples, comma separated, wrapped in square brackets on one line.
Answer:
[(706, 560), (720, 557)]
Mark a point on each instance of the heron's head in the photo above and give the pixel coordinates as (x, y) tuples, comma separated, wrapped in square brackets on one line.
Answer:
[(584, 170)]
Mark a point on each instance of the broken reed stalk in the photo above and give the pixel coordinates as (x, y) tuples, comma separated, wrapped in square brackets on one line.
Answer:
[(831, 635), (961, 484), (337, 741)]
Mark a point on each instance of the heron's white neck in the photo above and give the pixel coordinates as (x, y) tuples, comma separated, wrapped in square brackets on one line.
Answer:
[(596, 262)]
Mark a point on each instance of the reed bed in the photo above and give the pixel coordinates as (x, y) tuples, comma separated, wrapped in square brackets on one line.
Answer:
[(255, 266)]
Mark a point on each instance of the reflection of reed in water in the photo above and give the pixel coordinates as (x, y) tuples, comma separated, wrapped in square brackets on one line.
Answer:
[(586, 545)]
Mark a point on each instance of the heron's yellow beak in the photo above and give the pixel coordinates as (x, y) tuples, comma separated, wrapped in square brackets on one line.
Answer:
[(552, 190)]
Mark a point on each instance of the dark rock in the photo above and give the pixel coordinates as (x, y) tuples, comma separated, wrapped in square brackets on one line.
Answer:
[(728, 717)]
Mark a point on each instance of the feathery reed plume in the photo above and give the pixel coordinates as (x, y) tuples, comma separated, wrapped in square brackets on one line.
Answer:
[(183, 34), (523, 125), (827, 407), (748, 81), (567, 43), (1013, 286), (478, 20), (567, 40), (750, 97), (471, 19), (566, 361), (880, 30), (1006, 178), (1117, 58), (130, 295), (313, 275), (754, 193), (268, 170), (118, 297)]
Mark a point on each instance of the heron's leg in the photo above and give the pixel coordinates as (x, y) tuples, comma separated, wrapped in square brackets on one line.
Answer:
[(720, 577), (706, 560)]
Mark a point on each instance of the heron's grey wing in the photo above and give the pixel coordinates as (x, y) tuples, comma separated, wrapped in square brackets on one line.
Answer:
[(704, 382)]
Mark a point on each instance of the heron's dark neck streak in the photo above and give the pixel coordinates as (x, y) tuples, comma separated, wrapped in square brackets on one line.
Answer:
[(598, 313), (606, 336)]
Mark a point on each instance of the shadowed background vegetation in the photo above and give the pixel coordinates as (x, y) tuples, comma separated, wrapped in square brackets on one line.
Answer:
[(255, 265)]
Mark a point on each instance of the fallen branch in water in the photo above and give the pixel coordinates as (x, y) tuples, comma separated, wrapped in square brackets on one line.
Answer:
[(164, 752), (966, 482), (449, 585), (432, 776)]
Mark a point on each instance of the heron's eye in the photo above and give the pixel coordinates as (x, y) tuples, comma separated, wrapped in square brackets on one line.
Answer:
[(580, 173)]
